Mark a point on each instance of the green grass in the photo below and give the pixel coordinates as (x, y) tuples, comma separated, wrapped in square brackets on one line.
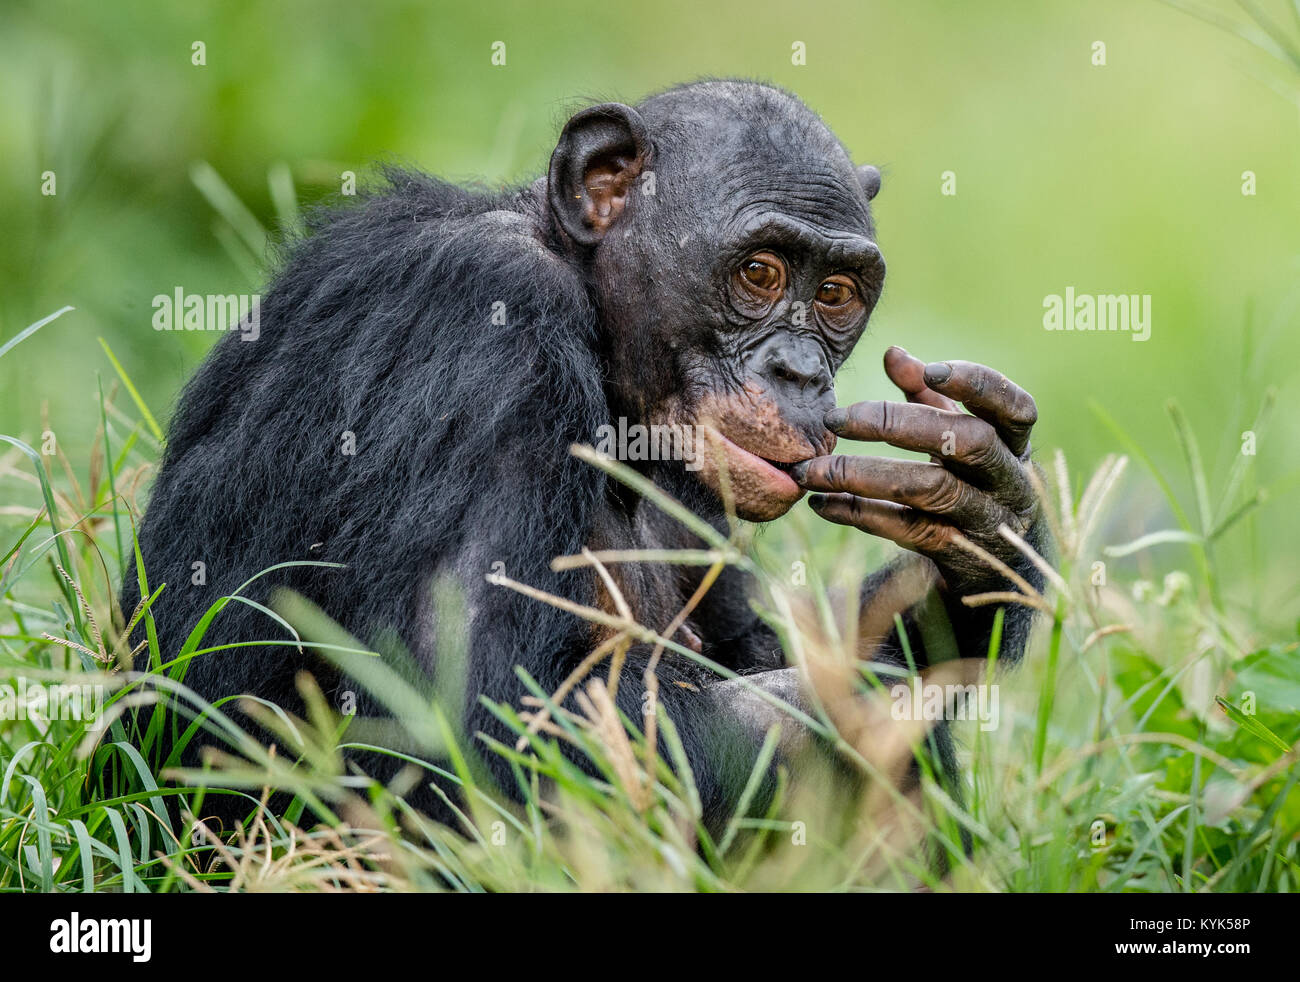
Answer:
[(1148, 744)]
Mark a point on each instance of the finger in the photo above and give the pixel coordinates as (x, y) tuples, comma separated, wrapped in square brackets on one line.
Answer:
[(924, 486), (990, 395), (956, 439), (908, 527), (907, 372)]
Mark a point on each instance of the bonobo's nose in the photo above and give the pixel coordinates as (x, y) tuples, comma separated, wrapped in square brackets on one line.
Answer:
[(790, 363), (795, 375)]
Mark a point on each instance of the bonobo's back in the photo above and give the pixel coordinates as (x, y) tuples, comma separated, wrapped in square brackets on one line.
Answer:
[(403, 388)]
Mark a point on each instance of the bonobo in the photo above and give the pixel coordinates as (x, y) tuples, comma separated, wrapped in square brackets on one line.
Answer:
[(428, 355)]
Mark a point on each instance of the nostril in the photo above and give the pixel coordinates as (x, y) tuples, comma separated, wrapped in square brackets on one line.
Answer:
[(786, 370), (794, 363), (787, 374)]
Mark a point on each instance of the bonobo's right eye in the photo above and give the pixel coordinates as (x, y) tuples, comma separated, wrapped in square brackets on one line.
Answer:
[(763, 274)]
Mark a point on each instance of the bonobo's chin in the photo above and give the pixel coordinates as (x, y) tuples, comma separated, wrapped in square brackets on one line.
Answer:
[(759, 487)]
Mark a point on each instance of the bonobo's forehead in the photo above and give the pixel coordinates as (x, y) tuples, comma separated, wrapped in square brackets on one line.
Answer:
[(749, 152)]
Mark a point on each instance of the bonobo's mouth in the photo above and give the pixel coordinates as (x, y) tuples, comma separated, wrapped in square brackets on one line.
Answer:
[(746, 436), (760, 485)]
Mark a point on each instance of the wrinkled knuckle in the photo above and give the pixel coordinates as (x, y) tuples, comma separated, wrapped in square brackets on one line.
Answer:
[(889, 419), (946, 494), (981, 445), (930, 536), (859, 513), (837, 472)]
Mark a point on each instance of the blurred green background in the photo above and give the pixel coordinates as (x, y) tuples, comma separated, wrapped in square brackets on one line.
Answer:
[(1123, 178)]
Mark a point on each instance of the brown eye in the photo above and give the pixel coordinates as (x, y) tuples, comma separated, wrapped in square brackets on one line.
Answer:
[(835, 292), (763, 272)]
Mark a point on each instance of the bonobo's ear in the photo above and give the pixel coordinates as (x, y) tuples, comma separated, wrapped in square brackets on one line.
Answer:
[(869, 178), (600, 154)]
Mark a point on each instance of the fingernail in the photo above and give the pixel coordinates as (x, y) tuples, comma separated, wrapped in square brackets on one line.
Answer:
[(937, 373), (835, 419), (799, 471), (816, 500)]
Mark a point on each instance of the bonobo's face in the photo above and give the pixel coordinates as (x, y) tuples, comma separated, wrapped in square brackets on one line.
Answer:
[(736, 267)]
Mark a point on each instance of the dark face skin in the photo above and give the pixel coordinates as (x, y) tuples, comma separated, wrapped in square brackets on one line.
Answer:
[(734, 256), (737, 283)]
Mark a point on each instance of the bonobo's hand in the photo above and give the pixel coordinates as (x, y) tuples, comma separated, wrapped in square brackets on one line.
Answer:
[(976, 480)]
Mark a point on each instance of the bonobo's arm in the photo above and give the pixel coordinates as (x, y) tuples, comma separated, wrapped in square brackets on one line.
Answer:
[(977, 479)]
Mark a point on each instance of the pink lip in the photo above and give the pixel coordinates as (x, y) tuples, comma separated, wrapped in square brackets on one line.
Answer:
[(780, 482)]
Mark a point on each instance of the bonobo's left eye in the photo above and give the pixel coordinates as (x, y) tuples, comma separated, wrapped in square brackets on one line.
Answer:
[(839, 303), (836, 291)]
